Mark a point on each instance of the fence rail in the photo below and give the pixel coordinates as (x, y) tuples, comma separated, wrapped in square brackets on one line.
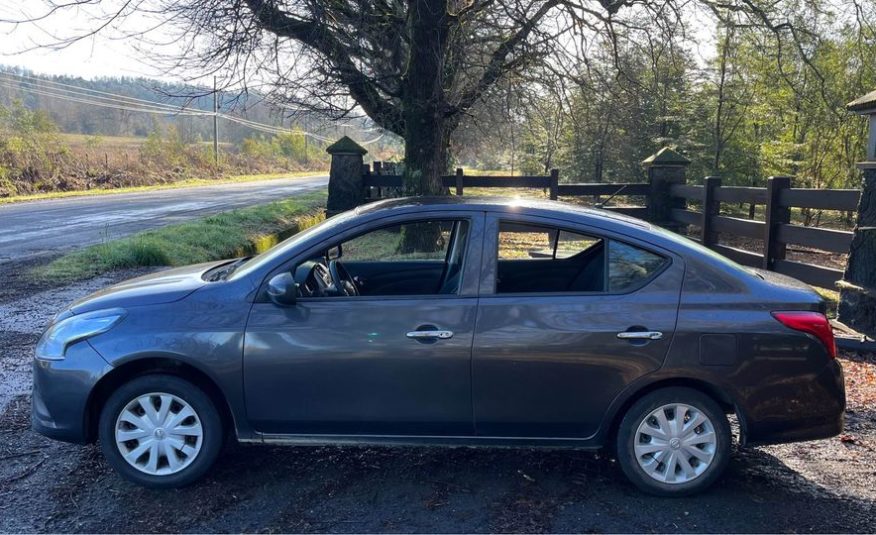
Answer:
[(375, 182), (692, 206), (776, 231)]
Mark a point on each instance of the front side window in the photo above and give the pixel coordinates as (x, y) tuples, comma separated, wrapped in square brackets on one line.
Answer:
[(415, 258), (544, 259), (423, 240)]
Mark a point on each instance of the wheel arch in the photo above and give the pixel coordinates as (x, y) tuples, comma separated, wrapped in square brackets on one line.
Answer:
[(139, 367), (720, 395)]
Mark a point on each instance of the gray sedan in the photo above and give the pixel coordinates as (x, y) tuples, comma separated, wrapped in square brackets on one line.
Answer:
[(455, 321)]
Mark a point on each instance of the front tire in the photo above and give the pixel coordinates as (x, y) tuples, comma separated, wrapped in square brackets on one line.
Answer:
[(674, 442), (160, 431)]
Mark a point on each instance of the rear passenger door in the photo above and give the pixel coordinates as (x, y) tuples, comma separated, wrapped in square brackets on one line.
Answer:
[(568, 316)]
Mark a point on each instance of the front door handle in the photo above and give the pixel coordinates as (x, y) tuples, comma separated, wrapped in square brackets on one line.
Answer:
[(640, 335), (426, 335)]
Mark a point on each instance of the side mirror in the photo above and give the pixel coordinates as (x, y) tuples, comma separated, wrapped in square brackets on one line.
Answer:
[(282, 289)]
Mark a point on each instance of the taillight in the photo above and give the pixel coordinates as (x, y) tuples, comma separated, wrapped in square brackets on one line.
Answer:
[(814, 323)]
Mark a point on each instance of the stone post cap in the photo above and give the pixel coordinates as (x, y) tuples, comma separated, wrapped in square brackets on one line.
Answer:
[(865, 105), (345, 145), (667, 157)]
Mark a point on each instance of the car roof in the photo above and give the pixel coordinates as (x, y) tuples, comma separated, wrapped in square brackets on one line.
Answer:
[(500, 204)]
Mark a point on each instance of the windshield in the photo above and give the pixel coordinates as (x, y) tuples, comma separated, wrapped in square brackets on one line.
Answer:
[(284, 247)]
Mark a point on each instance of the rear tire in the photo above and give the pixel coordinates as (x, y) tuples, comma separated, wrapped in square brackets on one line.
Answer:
[(674, 442), (160, 431)]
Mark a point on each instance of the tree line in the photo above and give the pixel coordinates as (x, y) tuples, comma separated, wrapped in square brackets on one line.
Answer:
[(744, 114)]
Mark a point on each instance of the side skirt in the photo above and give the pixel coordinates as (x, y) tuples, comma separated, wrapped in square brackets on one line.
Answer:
[(404, 440)]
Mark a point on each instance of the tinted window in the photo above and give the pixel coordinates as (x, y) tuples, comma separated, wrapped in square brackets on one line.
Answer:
[(416, 258), (540, 259), (630, 266), (517, 242)]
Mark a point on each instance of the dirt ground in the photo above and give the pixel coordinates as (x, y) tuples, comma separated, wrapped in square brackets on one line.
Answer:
[(46, 486)]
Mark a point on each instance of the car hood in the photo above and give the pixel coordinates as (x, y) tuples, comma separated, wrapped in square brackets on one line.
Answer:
[(155, 289)]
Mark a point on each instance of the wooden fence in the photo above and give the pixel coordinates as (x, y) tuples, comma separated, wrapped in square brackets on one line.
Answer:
[(376, 183), (776, 230)]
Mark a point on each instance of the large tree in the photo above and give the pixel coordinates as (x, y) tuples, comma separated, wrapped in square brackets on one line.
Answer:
[(415, 67)]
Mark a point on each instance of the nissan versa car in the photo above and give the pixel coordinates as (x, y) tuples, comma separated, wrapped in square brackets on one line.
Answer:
[(455, 321)]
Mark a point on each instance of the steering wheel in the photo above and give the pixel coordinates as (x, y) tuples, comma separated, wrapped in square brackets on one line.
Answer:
[(344, 283)]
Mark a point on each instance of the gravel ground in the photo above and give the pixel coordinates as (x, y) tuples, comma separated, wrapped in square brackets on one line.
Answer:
[(46, 486)]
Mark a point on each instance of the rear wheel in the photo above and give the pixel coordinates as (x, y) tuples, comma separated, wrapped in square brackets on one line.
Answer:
[(674, 442), (160, 431)]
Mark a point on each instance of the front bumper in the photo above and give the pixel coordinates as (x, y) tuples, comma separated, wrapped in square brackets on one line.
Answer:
[(61, 390), (817, 411)]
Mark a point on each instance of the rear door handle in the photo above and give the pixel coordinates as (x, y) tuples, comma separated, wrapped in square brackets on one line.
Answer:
[(420, 335), (640, 335)]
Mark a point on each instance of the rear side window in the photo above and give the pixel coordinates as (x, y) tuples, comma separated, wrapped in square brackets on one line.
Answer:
[(630, 266), (528, 242), (544, 259)]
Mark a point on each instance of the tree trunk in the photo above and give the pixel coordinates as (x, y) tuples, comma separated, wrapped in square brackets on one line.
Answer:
[(427, 130)]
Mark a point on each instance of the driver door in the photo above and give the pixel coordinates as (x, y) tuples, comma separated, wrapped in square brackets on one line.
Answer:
[(359, 365)]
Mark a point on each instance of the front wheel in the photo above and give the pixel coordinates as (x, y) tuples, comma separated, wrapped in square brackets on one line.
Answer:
[(674, 442), (160, 431)]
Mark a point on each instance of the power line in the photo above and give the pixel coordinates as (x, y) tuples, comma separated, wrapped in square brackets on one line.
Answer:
[(104, 104), (142, 108), (34, 80), (105, 99)]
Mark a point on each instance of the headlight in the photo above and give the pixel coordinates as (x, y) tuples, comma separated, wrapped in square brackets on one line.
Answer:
[(55, 340)]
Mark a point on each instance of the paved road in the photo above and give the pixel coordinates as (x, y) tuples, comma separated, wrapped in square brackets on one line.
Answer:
[(33, 228)]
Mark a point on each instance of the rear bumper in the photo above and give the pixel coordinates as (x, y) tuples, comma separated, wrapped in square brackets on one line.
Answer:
[(817, 410), (61, 389)]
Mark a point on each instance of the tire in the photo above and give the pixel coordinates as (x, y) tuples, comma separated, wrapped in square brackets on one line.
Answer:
[(670, 466), (193, 439)]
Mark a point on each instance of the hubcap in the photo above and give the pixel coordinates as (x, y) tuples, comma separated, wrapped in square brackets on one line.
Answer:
[(675, 443), (159, 434)]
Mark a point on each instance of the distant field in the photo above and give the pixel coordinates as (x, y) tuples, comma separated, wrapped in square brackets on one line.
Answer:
[(107, 141)]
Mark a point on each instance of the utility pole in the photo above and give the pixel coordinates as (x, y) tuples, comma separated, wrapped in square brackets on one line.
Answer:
[(215, 124), (306, 130)]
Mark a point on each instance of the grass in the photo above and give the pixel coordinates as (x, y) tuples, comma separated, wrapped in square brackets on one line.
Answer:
[(175, 185), (225, 235)]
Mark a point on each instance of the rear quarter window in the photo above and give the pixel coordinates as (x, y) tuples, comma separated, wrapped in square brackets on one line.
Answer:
[(630, 266)]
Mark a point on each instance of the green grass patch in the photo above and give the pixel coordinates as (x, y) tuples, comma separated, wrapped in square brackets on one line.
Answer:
[(225, 235), (175, 185)]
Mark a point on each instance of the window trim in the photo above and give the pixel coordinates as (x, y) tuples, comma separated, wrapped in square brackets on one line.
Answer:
[(490, 261)]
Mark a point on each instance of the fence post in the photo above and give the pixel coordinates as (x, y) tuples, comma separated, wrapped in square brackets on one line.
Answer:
[(346, 187), (378, 170), (459, 181), (665, 169), (555, 184), (711, 208), (774, 217)]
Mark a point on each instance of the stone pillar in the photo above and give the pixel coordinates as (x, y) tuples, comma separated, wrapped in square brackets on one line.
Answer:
[(346, 188), (857, 306), (665, 169)]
